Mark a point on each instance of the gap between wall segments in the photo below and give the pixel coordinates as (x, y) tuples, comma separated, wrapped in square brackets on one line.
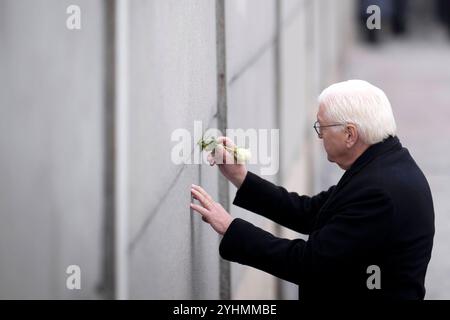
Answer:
[(135, 240)]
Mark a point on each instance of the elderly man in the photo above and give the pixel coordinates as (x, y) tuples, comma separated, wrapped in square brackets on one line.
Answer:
[(370, 236)]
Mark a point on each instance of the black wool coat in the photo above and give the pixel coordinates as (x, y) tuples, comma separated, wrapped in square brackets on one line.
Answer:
[(370, 236)]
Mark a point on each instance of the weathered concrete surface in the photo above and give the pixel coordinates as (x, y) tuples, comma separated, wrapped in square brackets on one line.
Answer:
[(51, 136), (173, 83)]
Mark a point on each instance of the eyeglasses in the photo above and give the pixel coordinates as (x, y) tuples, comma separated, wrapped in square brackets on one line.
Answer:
[(318, 127)]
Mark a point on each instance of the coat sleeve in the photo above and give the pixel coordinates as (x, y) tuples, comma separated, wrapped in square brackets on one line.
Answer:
[(277, 204), (359, 228)]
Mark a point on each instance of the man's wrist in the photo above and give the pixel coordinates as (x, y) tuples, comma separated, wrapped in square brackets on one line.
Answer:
[(239, 180), (227, 225)]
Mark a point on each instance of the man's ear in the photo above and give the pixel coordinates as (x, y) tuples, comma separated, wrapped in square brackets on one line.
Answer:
[(351, 137)]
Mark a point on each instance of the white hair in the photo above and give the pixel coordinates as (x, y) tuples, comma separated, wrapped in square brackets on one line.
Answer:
[(363, 104)]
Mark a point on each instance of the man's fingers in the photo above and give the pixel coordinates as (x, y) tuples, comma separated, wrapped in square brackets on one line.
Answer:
[(203, 200), (225, 155), (203, 193), (226, 141), (222, 156), (219, 154), (211, 159), (200, 210)]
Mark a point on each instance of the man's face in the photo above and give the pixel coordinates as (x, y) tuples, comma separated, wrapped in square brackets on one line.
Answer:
[(333, 138)]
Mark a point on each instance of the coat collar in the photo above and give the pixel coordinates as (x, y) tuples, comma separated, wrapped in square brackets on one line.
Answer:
[(374, 151)]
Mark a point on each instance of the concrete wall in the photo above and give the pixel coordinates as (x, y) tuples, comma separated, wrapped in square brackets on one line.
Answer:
[(52, 98), (250, 31), (59, 144), (173, 254)]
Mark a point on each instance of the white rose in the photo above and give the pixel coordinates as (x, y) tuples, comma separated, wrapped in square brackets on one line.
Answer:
[(207, 144), (210, 146), (242, 155)]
